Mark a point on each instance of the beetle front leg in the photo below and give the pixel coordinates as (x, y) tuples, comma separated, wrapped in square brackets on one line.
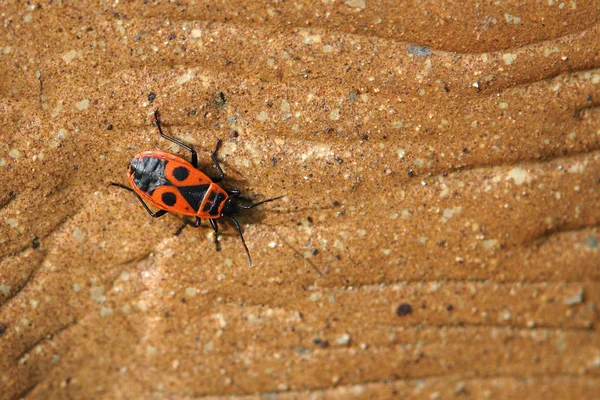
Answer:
[(216, 163), (177, 142)]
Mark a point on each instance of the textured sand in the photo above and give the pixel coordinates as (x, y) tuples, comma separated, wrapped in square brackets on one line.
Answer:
[(439, 237)]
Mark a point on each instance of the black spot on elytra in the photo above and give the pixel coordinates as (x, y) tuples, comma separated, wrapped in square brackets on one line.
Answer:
[(3, 328), (169, 198), (181, 173)]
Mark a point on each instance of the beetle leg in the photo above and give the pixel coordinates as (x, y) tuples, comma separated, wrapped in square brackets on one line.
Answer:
[(178, 231), (121, 186), (177, 142), (187, 222), (157, 214), (216, 163), (239, 229), (213, 223)]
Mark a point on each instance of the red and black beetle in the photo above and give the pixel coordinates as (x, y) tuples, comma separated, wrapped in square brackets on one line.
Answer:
[(172, 184)]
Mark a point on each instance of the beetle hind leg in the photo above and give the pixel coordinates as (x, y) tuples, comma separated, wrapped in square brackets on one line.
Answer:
[(157, 214), (121, 186), (214, 225)]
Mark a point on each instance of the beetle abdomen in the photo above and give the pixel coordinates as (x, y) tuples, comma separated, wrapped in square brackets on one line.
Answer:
[(148, 173)]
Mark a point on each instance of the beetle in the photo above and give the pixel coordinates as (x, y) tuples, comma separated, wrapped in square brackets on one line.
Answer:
[(172, 184)]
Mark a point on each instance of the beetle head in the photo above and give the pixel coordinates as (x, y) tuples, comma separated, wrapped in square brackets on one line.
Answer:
[(230, 208)]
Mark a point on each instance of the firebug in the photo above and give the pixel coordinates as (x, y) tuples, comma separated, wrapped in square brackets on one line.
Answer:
[(172, 184)]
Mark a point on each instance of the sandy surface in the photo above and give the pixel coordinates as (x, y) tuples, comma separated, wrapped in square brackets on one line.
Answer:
[(439, 237)]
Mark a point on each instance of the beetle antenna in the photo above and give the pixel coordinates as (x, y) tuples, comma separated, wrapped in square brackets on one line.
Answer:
[(260, 202), (239, 229)]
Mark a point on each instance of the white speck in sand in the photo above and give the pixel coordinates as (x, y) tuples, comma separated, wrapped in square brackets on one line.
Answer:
[(82, 105), (97, 293), (78, 235), (106, 312), (335, 114), (518, 175), (509, 58), (511, 18), (449, 212), (70, 56), (489, 244), (343, 340), (360, 4), (577, 298), (186, 77), (221, 319), (262, 116), (551, 50)]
